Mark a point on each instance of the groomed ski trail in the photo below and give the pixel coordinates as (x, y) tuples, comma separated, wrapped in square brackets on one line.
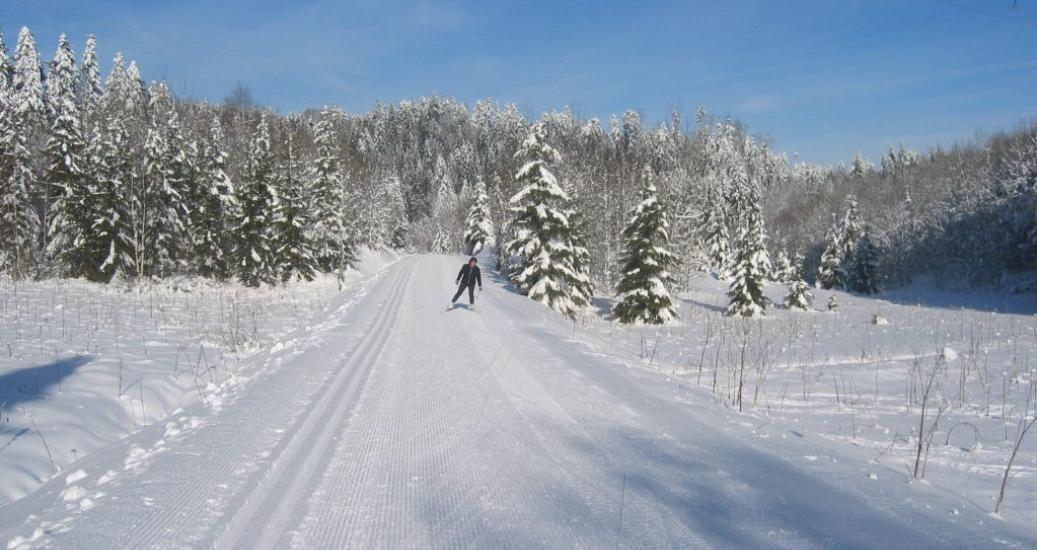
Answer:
[(400, 425)]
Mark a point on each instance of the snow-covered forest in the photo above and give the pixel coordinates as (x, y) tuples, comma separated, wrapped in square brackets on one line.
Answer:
[(111, 176)]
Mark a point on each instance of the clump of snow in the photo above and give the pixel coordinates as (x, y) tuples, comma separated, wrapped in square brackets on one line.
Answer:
[(75, 476), (74, 492)]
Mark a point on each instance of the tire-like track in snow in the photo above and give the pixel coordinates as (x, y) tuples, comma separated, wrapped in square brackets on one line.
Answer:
[(401, 425)]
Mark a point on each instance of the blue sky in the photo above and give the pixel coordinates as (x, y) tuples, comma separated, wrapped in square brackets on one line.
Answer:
[(822, 78)]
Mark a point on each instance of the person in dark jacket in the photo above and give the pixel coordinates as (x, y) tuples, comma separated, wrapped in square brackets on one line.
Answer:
[(467, 278)]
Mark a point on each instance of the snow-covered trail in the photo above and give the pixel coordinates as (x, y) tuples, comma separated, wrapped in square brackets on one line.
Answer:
[(396, 424)]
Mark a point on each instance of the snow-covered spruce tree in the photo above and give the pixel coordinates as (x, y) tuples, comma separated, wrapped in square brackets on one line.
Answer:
[(479, 225), (173, 200), (850, 229), (861, 165), (543, 235), (253, 231), (443, 209), (90, 91), (69, 217), (714, 227), (212, 247), (112, 230), (751, 263), (161, 200), (27, 84), (332, 243), (644, 296), (293, 252), (864, 273), (831, 274), (154, 173), (118, 90), (19, 223), (799, 297), (6, 67)]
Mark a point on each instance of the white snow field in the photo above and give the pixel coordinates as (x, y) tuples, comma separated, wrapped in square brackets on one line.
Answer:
[(386, 421)]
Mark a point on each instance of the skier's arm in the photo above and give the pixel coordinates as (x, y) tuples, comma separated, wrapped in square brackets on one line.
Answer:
[(459, 275), (478, 277)]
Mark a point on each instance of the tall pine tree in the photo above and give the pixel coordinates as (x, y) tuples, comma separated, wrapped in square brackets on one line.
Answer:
[(714, 224), (644, 296), (543, 235), (479, 224), (293, 253), (112, 230), (90, 86), (864, 274), (253, 233), (68, 212), (332, 241), (751, 263), (19, 223), (831, 274), (211, 217)]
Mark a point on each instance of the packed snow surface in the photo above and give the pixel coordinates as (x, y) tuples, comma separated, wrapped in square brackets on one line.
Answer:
[(386, 421)]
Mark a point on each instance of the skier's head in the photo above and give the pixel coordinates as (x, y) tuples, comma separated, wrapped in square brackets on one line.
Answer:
[(472, 261)]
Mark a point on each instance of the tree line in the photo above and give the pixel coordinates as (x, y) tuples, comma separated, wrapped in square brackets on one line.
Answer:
[(105, 178)]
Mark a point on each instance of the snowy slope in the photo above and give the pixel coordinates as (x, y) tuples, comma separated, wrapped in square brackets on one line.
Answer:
[(393, 423)]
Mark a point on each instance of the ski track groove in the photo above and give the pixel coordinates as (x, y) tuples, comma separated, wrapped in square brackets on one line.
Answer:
[(270, 525)]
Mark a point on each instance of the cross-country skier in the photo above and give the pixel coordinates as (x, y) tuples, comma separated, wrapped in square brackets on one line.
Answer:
[(467, 278)]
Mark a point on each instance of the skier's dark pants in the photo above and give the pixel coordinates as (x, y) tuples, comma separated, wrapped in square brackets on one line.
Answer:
[(460, 290)]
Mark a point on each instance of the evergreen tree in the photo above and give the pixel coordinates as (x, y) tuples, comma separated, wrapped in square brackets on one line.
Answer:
[(714, 225), (831, 274), (850, 229), (863, 276), (783, 270), (90, 86), (643, 294), (253, 234), (112, 230), (443, 209), (293, 254), (161, 204), (136, 96), (211, 218), (68, 222), (19, 223), (799, 297), (6, 68), (479, 225), (751, 263), (27, 84), (118, 90), (543, 235), (861, 165), (332, 242)]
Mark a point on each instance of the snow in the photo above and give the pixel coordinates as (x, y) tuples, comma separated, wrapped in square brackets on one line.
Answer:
[(384, 421), (91, 364)]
